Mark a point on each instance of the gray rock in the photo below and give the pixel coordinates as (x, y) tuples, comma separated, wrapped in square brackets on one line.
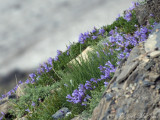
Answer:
[(143, 102), (147, 83), (144, 11), (109, 97), (60, 113), (153, 42), (127, 71), (154, 54), (141, 14), (149, 64), (153, 77)]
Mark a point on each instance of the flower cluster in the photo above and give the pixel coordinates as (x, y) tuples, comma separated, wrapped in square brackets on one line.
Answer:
[(128, 14), (68, 48), (92, 35), (58, 54), (123, 41), (46, 67), (80, 96), (106, 70), (83, 37)]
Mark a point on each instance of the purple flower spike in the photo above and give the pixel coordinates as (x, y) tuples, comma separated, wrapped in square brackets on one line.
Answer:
[(50, 61), (128, 16)]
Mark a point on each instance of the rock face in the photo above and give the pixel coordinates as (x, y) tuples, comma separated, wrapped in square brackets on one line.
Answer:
[(134, 91), (83, 56), (148, 10)]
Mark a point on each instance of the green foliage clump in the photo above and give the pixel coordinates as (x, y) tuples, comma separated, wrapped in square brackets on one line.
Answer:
[(31, 95)]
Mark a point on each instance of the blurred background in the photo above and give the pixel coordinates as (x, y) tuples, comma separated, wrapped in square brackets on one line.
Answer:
[(31, 31)]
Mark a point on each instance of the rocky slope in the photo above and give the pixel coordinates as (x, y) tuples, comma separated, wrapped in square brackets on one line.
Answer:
[(134, 91)]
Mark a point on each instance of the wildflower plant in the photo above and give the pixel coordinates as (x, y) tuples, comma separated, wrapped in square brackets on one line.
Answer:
[(80, 84)]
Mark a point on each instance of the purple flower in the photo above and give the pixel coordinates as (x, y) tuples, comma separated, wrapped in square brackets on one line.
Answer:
[(94, 30), (33, 104), (59, 52), (81, 39), (111, 32), (38, 78), (46, 67), (112, 68), (68, 48), (112, 39), (143, 30), (50, 61), (39, 71), (56, 58), (128, 16), (121, 56), (151, 15), (9, 93), (118, 16), (27, 110), (66, 85), (12, 91), (32, 76), (67, 52), (88, 85), (93, 80), (20, 82), (101, 68), (105, 83), (15, 88), (134, 4), (94, 37), (101, 31), (27, 81), (2, 113), (87, 97), (97, 54), (1, 118)]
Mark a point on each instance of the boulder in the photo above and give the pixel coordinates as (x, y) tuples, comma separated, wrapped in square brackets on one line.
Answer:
[(83, 56), (150, 9), (134, 91), (60, 113)]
